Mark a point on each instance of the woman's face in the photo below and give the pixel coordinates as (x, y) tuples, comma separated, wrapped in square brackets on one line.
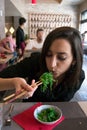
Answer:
[(59, 57)]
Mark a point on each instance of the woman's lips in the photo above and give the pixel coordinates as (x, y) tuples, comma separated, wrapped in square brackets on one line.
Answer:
[(54, 73)]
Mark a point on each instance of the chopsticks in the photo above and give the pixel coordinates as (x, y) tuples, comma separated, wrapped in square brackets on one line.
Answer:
[(12, 95), (19, 94)]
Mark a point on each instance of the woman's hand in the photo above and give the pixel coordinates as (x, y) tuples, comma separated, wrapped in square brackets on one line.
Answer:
[(20, 83), (34, 87)]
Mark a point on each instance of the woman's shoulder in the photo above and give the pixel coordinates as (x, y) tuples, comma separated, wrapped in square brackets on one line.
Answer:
[(33, 58), (36, 55)]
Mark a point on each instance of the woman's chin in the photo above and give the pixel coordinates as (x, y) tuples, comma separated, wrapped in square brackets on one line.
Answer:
[(55, 77)]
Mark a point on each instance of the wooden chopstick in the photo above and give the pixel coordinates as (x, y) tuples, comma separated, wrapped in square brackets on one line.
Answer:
[(19, 94), (16, 97), (15, 94), (12, 95)]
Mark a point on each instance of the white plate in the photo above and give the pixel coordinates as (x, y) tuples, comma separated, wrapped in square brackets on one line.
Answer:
[(42, 107)]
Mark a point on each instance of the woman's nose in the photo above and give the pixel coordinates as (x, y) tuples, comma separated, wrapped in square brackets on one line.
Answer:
[(53, 62)]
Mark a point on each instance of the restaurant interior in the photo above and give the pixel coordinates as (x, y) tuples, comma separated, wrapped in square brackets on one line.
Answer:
[(48, 14)]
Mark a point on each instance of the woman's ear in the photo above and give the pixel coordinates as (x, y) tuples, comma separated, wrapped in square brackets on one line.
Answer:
[(73, 62)]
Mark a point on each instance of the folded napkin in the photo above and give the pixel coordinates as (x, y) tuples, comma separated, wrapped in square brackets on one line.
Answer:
[(27, 121)]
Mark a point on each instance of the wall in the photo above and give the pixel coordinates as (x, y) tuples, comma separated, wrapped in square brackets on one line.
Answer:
[(2, 19), (53, 8), (11, 9), (83, 6), (45, 6), (16, 7)]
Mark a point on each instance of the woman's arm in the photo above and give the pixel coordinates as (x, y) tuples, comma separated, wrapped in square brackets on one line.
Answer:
[(18, 84), (5, 84), (13, 83), (2, 50)]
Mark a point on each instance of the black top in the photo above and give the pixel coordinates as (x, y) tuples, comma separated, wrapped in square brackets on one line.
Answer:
[(19, 37), (29, 67)]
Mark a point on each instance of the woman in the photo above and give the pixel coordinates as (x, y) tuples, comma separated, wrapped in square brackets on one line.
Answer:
[(61, 55)]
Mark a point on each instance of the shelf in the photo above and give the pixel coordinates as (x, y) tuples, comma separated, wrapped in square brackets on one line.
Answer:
[(47, 21)]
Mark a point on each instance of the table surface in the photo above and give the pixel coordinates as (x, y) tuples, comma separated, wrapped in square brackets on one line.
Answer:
[(75, 114), (27, 53), (5, 60)]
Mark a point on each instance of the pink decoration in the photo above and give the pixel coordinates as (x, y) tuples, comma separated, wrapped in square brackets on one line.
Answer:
[(34, 1)]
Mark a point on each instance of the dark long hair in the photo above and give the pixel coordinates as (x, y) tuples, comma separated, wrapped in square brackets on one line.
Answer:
[(74, 38)]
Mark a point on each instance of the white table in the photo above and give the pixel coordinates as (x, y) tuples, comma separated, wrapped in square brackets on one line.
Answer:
[(5, 60), (83, 105), (27, 53)]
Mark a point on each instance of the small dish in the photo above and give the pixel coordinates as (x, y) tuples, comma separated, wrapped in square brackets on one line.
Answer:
[(52, 110)]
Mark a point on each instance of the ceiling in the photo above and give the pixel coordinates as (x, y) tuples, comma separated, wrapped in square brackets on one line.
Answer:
[(11, 10), (69, 2), (72, 2)]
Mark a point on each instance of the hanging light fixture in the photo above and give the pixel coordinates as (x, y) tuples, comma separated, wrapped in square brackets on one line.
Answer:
[(34, 1), (11, 30), (6, 30), (59, 1)]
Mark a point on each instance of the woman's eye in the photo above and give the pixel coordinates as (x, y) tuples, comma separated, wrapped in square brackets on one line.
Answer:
[(48, 55), (61, 58)]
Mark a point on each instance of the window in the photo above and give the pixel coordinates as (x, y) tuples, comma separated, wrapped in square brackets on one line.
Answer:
[(83, 27)]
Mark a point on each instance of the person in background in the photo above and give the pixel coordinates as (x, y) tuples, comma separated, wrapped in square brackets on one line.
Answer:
[(4, 50), (36, 43), (62, 56), (9, 42), (20, 43)]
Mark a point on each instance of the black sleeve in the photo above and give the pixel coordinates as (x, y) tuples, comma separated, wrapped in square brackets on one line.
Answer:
[(28, 66)]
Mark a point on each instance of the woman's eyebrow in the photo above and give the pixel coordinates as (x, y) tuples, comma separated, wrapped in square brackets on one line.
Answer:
[(62, 53), (59, 53)]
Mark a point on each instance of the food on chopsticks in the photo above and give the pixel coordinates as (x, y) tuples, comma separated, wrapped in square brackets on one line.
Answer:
[(46, 79)]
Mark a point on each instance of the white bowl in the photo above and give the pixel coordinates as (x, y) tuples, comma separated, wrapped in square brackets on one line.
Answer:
[(43, 107)]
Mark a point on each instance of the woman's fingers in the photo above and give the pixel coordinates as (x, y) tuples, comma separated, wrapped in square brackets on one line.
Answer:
[(30, 87), (27, 87), (33, 88), (21, 85), (29, 94), (33, 81), (33, 84)]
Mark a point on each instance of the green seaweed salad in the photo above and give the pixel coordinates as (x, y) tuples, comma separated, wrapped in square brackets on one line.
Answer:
[(48, 115), (46, 79)]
